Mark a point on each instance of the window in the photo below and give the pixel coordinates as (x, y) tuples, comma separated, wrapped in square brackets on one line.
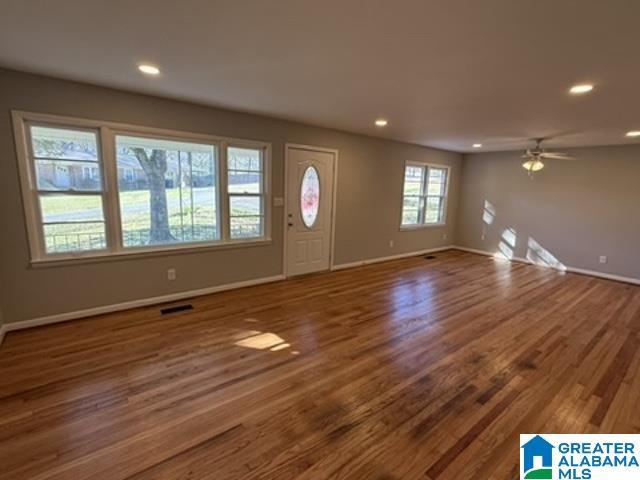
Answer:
[(89, 173), (97, 189), (245, 188), (175, 200), (71, 205), (424, 195), (310, 196)]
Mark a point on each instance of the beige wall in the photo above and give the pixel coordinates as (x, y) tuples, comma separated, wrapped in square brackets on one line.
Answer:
[(574, 210), (368, 200)]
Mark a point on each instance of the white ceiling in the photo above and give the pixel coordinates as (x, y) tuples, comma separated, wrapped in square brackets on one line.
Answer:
[(446, 73)]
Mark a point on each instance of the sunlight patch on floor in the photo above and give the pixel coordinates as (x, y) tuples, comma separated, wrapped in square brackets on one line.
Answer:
[(260, 340)]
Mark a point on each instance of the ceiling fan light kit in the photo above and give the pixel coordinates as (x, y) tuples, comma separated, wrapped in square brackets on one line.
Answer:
[(534, 156), (533, 166)]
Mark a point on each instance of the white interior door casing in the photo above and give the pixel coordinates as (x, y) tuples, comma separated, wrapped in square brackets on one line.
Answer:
[(309, 210)]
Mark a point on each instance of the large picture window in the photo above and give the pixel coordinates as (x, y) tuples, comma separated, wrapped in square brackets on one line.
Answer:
[(167, 191), (99, 189), (424, 195)]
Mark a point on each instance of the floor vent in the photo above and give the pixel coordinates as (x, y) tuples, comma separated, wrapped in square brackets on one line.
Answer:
[(176, 309), (429, 257)]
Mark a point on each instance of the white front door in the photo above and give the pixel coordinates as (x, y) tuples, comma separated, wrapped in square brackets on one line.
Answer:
[(309, 210)]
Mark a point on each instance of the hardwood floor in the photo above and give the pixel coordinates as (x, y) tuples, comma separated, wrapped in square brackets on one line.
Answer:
[(411, 369)]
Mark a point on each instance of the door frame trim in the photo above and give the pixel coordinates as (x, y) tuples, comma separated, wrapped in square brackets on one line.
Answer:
[(297, 146)]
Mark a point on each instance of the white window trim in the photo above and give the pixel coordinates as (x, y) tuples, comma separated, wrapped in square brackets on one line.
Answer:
[(265, 193), (107, 132), (420, 226)]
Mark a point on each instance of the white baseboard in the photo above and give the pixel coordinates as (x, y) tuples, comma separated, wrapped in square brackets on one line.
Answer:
[(581, 271), (490, 254), (143, 302), (608, 276), (472, 250), (369, 261)]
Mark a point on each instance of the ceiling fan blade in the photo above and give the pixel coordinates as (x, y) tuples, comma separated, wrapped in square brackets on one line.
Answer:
[(557, 156)]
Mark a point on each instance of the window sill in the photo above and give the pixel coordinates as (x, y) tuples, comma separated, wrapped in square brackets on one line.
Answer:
[(145, 252), (408, 228)]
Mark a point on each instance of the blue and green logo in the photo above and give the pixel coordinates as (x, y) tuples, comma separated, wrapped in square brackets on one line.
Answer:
[(580, 456), (537, 459)]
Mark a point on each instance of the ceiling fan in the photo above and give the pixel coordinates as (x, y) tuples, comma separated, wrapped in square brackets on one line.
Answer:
[(534, 157)]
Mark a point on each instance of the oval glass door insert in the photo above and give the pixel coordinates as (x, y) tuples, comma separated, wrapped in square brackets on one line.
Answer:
[(310, 196)]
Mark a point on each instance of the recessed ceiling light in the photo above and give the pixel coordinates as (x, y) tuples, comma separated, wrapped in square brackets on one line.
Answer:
[(633, 133), (580, 89), (149, 69), (381, 122), (477, 145)]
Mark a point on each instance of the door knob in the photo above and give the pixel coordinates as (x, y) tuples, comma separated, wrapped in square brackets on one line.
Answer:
[(290, 224)]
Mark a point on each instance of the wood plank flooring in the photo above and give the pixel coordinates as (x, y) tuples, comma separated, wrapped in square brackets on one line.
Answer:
[(411, 369)]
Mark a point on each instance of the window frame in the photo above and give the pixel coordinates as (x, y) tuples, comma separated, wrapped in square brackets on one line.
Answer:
[(106, 133), (217, 145), (422, 214), (264, 193), (39, 242)]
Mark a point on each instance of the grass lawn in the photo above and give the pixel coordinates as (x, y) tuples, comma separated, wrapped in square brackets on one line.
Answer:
[(56, 204)]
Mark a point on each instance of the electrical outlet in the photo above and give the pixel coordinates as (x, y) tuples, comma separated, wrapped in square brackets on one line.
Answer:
[(391, 243), (171, 274), (603, 259), (483, 237), (445, 236)]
